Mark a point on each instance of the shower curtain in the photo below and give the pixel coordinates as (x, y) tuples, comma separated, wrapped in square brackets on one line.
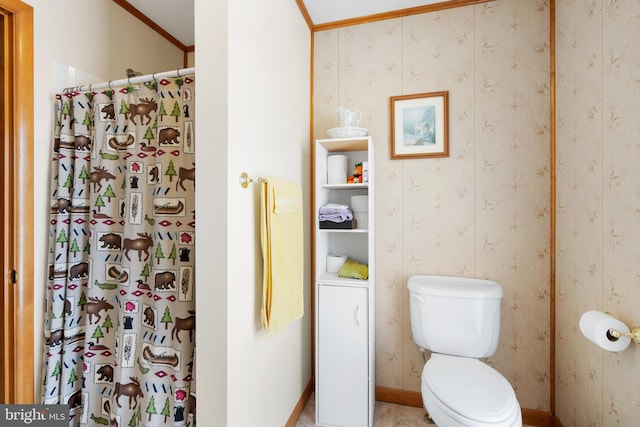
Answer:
[(119, 310)]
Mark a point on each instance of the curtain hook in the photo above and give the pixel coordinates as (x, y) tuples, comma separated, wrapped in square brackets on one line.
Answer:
[(178, 72), (153, 77), (109, 83), (90, 84)]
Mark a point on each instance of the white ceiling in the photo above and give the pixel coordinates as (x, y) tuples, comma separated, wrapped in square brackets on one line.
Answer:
[(323, 11), (176, 16)]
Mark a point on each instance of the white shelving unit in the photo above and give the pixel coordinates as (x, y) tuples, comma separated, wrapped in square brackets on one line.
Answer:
[(345, 326)]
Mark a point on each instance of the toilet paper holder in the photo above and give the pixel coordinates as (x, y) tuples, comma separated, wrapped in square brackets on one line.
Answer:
[(634, 334)]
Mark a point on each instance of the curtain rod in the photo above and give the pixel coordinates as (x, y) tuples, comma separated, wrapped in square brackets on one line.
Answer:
[(131, 81)]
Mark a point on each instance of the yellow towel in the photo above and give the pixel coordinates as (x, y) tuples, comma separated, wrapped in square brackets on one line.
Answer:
[(282, 241), (354, 270)]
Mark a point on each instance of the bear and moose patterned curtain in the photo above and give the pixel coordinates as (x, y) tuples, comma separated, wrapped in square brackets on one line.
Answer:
[(119, 310)]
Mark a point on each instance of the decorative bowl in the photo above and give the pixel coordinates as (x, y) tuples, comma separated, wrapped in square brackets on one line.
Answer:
[(347, 132)]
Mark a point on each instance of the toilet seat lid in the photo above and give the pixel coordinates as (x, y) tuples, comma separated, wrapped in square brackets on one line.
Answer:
[(470, 388)]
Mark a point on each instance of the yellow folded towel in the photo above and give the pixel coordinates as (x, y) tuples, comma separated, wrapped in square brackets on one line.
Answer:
[(282, 241), (354, 270)]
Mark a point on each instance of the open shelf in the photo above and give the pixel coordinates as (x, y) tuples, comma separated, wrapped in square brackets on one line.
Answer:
[(363, 186), (344, 307), (334, 279), (345, 144)]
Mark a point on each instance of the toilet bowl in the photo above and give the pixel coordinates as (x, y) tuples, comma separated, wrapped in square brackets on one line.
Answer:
[(465, 392), (458, 320)]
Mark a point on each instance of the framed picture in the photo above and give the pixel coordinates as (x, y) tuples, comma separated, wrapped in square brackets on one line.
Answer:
[(420, 125)]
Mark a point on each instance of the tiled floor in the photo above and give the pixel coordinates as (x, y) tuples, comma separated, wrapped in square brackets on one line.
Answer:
[(385, 415)]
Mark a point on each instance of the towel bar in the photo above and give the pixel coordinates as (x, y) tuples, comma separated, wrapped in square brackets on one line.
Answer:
[(245, 180)]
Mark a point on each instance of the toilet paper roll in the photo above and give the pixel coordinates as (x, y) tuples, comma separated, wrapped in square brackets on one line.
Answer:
[(337, 178), (595, 325), (362, 219), (337, 169), (334, 262)]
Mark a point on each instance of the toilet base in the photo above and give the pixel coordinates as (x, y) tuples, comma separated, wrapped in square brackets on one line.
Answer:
[(438, 417), (428, 419)]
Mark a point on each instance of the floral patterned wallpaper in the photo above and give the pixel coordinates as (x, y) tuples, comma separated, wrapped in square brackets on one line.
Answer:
[(484, 210), (598, 211)]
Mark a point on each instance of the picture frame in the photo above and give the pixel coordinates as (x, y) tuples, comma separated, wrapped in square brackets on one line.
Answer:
[(419, 125)]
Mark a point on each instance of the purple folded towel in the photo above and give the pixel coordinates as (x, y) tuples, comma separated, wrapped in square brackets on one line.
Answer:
[(335, 212)]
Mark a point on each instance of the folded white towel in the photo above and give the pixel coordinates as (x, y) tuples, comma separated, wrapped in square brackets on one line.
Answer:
[(330, 207), (335, 213)]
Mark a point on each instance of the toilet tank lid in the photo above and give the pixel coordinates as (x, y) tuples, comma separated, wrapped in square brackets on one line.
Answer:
[(454, 287)]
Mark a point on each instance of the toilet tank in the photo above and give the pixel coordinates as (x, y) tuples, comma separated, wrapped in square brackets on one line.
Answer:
[(455, 315)]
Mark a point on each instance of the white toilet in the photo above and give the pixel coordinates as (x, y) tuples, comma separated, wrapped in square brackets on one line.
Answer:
[(458, 320)]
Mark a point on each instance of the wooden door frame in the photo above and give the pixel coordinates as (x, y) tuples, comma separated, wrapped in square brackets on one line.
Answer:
[(17, 205)]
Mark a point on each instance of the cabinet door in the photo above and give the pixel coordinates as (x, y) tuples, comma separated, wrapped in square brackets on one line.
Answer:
[(343, 362)]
